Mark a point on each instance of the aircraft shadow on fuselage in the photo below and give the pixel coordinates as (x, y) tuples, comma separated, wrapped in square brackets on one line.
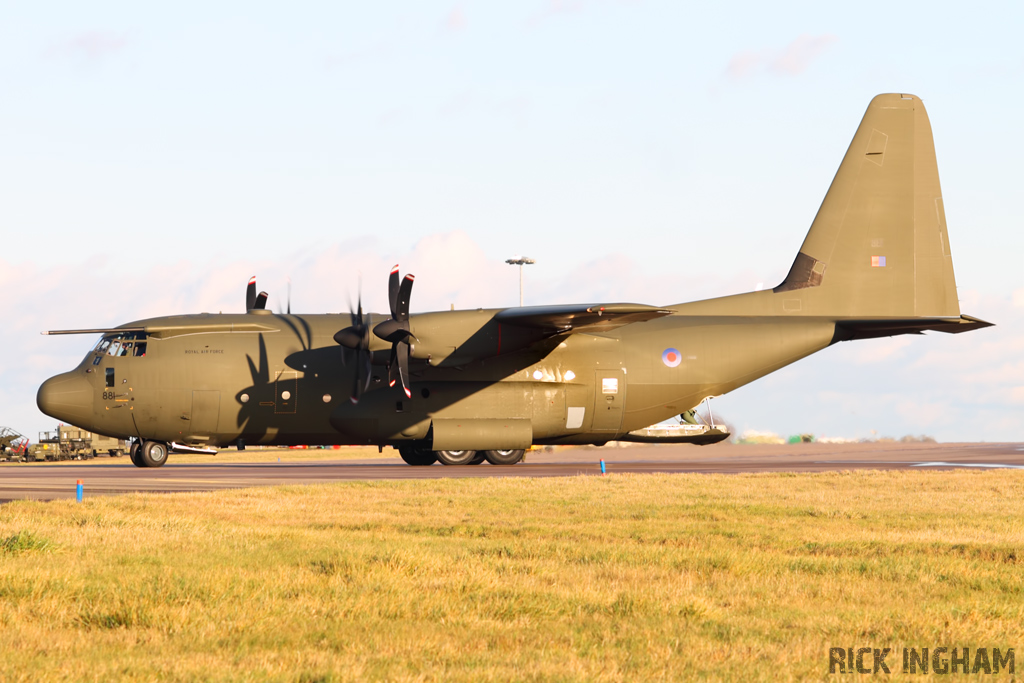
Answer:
[(329, 371)]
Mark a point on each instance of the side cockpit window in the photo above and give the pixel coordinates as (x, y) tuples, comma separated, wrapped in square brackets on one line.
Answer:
[(126, 344)]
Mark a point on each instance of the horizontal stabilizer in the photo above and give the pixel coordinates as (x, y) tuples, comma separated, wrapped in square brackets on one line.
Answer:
[(580, 318), (847, 330)]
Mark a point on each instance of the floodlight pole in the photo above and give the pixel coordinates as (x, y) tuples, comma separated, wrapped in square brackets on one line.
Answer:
[(520, 261)]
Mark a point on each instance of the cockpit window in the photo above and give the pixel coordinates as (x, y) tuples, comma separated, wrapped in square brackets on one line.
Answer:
[(127, 344)]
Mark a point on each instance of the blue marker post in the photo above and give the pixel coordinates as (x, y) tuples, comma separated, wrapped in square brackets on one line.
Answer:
[(78, 490), (603, 468)]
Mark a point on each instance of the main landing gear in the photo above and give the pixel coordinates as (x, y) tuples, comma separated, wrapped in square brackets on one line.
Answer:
[(149, 453), (421, 457)]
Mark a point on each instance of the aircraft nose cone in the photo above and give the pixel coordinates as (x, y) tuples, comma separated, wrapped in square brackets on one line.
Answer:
[(67, 397)]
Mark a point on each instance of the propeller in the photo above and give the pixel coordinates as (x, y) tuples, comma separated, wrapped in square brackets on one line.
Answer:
[(357, 338), (254, 301), (396, 329)]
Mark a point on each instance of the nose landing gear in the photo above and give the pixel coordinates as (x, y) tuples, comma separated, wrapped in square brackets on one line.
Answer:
[(148, 453)]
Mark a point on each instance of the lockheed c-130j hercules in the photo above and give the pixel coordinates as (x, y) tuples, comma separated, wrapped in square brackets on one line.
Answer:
[(463, 386)]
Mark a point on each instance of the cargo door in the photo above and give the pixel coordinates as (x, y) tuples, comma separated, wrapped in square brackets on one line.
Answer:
[(609, 400)]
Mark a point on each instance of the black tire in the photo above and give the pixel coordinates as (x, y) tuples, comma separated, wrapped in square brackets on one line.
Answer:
[(417, 457), (509, 457), (479, 459), (153, 454), (133, 453), (455, 457)]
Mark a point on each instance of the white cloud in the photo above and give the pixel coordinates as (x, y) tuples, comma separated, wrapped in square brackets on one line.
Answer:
[(90, 45), (791, 60)]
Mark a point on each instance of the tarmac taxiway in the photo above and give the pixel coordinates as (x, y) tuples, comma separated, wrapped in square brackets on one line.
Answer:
[(47, 481)]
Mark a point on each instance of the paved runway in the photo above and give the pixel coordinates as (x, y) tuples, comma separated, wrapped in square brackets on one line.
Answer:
[(102, 477)]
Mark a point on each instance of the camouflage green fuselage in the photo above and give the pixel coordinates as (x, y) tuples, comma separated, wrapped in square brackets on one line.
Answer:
[(213, 379)]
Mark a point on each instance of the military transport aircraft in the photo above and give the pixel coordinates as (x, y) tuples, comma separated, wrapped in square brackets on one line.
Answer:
[(460, 387)]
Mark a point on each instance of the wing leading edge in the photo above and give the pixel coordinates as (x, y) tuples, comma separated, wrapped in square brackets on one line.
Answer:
[(580, 317)]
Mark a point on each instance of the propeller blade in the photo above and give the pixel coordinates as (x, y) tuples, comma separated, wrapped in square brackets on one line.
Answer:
[(261, 300), (361, 379), (367, 371), (392, 365), (250, 294), (356, 315), (393, 290), (356, 389), (356, 393), (401, 313), (289, 309), (402, 351)]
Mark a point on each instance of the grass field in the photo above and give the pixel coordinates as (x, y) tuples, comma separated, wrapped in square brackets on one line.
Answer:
[(633, 578)]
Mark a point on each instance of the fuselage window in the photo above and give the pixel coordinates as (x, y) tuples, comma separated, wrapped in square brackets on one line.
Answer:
[(115, 348), (140, 348), (103, 345), (110, 377)]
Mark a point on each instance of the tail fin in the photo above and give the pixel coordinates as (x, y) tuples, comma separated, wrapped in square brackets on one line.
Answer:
[(878, 246)]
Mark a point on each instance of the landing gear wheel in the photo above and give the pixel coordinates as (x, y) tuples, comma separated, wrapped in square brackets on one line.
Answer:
[(133, 453), (510, 457), (456, 457), (478, 459), (418, 457), (153, 454)]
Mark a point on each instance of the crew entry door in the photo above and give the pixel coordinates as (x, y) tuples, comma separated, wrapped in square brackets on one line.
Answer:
[(609, 400)]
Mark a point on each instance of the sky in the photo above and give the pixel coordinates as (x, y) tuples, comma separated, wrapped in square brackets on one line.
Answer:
[(154, 157)]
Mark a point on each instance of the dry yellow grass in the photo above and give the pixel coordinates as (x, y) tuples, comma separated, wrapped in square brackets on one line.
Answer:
[(658, 577)]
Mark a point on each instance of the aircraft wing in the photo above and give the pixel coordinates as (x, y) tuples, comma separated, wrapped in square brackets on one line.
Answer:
[(580, 317)]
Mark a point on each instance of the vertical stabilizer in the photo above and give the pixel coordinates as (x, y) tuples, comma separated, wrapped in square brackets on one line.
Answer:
[(878, 246)]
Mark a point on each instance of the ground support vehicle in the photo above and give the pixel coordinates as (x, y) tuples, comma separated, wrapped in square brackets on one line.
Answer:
[(68, 442)]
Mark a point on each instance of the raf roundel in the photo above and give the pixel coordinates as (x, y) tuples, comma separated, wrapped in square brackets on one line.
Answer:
[(671, 357)]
